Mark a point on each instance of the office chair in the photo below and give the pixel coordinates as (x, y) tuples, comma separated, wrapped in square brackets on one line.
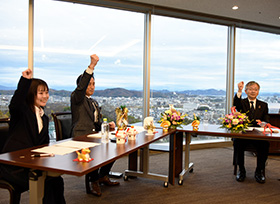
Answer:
[(62, 124), (4, 132)]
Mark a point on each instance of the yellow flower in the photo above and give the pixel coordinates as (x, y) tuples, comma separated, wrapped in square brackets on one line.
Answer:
[(168, 112)]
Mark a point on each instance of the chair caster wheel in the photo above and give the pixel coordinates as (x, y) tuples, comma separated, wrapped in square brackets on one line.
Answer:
[(125, 178), (180, 182)]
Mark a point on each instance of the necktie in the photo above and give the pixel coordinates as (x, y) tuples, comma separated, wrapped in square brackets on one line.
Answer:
[(95, 106), (252, 109)]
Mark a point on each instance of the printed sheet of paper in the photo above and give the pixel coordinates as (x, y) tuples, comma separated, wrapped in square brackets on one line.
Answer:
[(98, 135), (65, 147), (77, 144), (55, 150), (261, 129), (95, 135)]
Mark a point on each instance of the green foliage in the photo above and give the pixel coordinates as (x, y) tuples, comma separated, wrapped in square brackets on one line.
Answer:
[(68, 108)]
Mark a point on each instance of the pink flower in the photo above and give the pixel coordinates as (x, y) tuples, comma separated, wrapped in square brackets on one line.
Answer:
[(230, 117), (235, 121)]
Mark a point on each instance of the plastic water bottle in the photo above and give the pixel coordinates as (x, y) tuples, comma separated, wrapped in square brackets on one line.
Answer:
[(105, 131), (206, 118)]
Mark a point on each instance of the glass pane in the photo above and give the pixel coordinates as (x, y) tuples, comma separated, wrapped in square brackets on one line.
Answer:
[(67, 34), (257, 59), (188, 68), (13, 49)]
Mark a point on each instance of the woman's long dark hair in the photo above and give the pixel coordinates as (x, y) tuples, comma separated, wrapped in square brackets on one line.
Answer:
[(32, 92)]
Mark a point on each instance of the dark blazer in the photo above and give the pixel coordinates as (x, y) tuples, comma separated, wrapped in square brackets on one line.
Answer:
[(261, 110), (23, 131), (83, 110)]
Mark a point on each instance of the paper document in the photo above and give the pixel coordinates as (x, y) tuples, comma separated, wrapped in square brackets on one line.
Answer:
[(261, 129), (98, 135), (65, 147), (55, 150), (95, 135), (77, 144)]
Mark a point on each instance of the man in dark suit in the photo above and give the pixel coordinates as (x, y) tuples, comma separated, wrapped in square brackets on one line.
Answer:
[(86, 119), (257, 111)]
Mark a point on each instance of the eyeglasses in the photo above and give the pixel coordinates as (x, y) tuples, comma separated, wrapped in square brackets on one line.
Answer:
[(250, 89)]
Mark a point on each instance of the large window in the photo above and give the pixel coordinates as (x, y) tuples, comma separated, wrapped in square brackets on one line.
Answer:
[(67, 34), (13, 48), (188, 59), (188, 68), (257, 59)]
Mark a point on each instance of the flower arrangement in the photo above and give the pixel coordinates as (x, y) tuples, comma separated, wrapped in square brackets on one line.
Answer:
[(236, 122), (172, 117)]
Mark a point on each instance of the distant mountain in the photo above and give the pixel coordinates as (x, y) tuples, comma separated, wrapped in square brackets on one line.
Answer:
[(120, 92), (61, 93), (6, 88), (208, 92)]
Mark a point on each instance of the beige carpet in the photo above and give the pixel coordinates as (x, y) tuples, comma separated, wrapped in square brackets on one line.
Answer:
[(212, 181)]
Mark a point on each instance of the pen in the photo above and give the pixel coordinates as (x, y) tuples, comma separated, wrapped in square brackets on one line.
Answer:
[(42, 155)]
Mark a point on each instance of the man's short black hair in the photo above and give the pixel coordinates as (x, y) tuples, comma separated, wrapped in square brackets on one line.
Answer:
[(79, 79)]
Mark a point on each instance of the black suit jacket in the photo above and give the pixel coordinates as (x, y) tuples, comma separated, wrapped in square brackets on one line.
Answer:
[(23, 131), (83, 110), (261, 110)]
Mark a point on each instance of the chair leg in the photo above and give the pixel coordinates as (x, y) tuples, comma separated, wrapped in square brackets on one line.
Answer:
[(15, 197), (87, 184), (14, 194), (234, 162)]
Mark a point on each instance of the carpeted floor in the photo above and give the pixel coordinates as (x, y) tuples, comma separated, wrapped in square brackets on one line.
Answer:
[(212, 181)]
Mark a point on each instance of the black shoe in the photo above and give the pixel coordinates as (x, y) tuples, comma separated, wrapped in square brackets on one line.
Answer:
[(241, 175), (259, 176)]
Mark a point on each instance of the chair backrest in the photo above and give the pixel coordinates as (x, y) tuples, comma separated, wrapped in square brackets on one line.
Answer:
[(63, 124), (4, 131)]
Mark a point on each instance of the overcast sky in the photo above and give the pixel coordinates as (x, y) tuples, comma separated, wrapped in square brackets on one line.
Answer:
[(185, 54)]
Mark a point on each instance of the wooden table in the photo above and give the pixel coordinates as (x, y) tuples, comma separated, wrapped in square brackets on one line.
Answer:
[(208, 130), (102, 154)]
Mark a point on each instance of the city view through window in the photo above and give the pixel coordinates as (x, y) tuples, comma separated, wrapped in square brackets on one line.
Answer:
[(188, 60)]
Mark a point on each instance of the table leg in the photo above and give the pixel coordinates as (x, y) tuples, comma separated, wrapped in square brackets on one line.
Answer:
[(175, 156), (145, 169), (36, 186), (132, 160), (188, 165)]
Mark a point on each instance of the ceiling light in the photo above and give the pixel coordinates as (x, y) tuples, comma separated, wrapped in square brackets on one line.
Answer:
[(234, 7)]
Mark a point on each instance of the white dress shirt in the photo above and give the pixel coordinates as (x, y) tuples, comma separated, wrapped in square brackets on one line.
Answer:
[(39, 113)]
